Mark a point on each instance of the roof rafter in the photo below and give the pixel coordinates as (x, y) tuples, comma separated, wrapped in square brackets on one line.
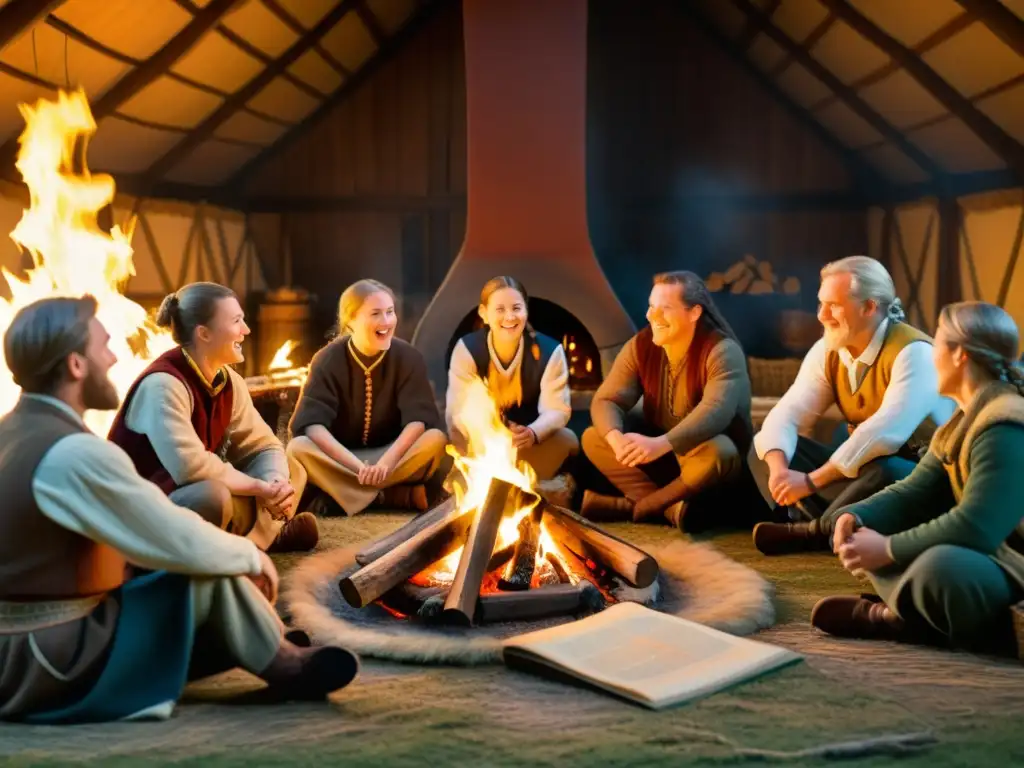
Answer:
[(18, 15), (808, 43), (859, 168), (1009, 149), (206, 129), (851, 99), (749, 33), (296, 26), (142, 75), (371, 22), (1007, 26)]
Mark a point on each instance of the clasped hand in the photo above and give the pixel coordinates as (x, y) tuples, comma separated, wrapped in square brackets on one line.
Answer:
[(374, 474), (787, 486), (278, 498), (860, 550), (633, 449), (522, 437)]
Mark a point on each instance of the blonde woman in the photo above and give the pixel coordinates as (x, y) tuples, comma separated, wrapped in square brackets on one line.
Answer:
[(942, 547), (366, 425)]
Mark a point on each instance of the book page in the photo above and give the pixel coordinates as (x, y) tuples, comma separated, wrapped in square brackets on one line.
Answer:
[(642, 653)]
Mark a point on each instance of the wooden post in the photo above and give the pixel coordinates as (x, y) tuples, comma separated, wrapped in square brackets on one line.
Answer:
[(460, 607), (585, 539), (949, 287)]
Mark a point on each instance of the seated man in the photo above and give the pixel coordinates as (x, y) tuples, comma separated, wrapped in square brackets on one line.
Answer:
[(692, 375), (189, 425), (878, 370), (79, 643)]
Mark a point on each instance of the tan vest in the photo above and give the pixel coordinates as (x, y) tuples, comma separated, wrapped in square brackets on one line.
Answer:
[(857, 407), (38, 558)]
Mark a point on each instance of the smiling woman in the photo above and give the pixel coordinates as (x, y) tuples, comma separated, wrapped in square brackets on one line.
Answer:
[(365, 427)]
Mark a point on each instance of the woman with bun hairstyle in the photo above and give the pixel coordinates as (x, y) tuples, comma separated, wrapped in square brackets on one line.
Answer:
[(526, 374), (190, 426), (366, 427)]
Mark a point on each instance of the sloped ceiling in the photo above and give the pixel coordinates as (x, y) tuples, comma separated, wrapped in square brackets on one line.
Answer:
[(922, 91), (187, 92)]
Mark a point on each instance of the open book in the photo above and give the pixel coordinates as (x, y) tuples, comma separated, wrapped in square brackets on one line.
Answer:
[(651, 658)]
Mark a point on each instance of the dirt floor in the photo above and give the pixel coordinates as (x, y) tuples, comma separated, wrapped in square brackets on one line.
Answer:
[(961, 709)]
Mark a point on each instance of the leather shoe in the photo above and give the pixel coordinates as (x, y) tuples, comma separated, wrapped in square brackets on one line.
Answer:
[(300, 534), (788, 538), (601, 508), (865, 617)]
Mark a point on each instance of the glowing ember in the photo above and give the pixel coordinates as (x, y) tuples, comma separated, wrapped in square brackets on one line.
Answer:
[(70, 253)]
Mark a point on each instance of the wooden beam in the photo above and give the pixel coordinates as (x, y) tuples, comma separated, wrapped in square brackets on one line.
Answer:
[(371, 22), (1004, 23), (384, 54), (750, 29), (1009, 149), (851, 99), (948, 286), (206, 129), (19, 15), (863, 173), (807, 44), (296, 26)]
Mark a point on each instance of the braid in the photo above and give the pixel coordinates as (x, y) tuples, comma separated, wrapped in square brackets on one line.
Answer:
[(895, 311), (534, 346), (1014, 374)]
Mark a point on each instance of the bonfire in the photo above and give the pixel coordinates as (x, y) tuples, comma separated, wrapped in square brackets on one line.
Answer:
[(71, 254), (496, 550)]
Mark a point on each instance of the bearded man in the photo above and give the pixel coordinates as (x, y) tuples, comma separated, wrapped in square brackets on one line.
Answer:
[(878, 371), (79, 641)]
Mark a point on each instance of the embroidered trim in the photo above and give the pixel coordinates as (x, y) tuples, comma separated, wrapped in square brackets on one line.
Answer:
[(367, 374), (220, 379)]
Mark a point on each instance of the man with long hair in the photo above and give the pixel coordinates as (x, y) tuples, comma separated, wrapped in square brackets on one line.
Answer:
[(691, 372), (878, 371), (79, 642)]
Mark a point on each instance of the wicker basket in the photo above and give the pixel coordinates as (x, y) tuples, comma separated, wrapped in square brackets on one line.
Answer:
[(1018, 627), (771, 378)]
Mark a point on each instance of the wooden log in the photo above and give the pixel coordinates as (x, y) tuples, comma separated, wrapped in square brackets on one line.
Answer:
[(554, 600), (407, 598), (520, 570), (585, 539), (556, 565), (432, 543), (501, 557), (460, 606), (385, 544)]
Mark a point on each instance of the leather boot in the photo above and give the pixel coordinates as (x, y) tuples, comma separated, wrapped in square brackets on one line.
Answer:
[(600, 508), (654, 504), (300, 534), (309, 674), (788, 538), (404, 497), (865, 617)]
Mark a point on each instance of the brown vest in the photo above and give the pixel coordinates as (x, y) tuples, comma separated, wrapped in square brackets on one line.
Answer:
[(859, 406), (38, 558), (651, 363)]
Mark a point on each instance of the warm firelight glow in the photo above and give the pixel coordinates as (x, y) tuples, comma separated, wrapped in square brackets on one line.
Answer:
[(71, 254)]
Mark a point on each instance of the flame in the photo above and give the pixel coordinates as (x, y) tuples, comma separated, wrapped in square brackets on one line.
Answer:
[(282, 358), (281, 372), (71, 255)]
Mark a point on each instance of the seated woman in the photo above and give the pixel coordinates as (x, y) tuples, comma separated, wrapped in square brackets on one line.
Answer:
[(939, 546), (190, 426), (366, 426), (526, 374)]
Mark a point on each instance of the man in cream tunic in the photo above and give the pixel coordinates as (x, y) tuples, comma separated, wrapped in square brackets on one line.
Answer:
[(77, 642)]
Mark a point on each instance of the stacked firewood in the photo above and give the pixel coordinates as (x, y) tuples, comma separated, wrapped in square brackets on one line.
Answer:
[(752, 277)]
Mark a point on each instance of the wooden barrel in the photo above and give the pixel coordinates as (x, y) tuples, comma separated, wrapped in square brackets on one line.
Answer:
[(285, 314)]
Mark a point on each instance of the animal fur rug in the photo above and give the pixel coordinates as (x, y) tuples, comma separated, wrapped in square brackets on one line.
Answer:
[(696, 582)]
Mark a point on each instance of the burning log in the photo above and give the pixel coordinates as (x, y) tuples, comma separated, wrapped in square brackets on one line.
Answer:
[(389, 570), (408, 599), (553, 600), (501, 557), (520, 571), (460, 607), (419, 523), (583, 538)]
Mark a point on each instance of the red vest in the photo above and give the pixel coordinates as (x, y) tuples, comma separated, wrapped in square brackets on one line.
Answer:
[(211, 415)]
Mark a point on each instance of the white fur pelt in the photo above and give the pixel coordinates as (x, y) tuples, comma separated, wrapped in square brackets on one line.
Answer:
[(697, 582)]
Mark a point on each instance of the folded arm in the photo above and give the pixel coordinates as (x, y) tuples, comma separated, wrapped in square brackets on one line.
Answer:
[(89, 485)]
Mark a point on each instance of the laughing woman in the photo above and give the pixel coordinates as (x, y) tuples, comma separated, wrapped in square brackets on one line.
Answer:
[(190, 426), (942, 547), (525, 372), (366, 426)]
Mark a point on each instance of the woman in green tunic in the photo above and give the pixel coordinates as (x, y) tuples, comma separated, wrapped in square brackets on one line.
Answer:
[(942, 546)]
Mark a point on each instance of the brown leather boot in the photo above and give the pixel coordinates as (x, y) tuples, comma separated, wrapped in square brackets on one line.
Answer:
[(308, 674), (653, 505), (300, 534), (788, 538), (865, 617), (601, 508), (404, 497)]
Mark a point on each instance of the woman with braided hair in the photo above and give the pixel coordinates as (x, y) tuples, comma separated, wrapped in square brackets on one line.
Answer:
[(692, 374), (526, 374), (941, 547)]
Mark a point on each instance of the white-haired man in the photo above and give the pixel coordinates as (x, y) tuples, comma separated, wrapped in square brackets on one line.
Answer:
[(878, 371)]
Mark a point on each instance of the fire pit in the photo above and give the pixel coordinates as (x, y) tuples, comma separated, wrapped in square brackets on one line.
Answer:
[(496, 550)]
